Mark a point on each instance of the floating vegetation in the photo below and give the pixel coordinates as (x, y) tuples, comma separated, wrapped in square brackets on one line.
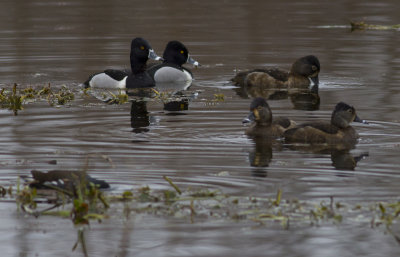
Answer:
[(11, 100), (364, 26), (60, 188), (218, 98), (61, 97), (119, 98), (15, 99), (89, 203)]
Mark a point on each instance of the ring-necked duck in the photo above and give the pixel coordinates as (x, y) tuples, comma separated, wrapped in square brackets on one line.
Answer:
[(263, 125), (303, 74), (338, 131), (141, 51), (171, 70)]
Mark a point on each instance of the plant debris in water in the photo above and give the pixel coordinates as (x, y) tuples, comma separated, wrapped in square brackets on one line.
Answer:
[(89, 203), (361, 25), (16, 98), (12, 100)]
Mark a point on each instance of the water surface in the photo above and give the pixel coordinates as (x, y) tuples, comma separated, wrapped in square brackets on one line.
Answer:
[(62, 43)]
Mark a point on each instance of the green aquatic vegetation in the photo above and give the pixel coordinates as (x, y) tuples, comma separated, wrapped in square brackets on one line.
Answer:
[(204, 194), (60, 97), (278, 197), (119, 98), (64, 95), (12, 100), (81, 241), (16, 98), (219, 97), (26, 198), (325, 212), (196, 205), (45, 91), (4, 191), (386, 214), (364, 26), (29, 92), (87, 201), (172, 184), (127, 195)]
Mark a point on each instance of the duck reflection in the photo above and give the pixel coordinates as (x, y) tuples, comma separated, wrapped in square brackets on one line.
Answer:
[(140, 119), (174, 95), (260, 156), (305, 99), (141, 92), (268, 93), (344, 160), (177, 105), (172, 88), (341, 156), (302, 99)]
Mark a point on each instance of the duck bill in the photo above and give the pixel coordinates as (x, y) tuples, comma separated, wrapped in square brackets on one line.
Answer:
[(190, 60), (154, 56), (250, 118), (357, 119)]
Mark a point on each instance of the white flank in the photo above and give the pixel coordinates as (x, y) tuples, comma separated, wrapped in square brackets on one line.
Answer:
[(102, 80), (170, 75)]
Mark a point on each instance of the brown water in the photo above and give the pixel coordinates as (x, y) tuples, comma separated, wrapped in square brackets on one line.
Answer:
[(60, 43)]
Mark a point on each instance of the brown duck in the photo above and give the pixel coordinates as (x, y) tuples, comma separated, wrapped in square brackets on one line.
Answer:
[(263, 125), (337, 131), (303, 75)]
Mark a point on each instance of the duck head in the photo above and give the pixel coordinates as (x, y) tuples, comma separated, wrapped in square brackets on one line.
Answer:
[(141, 51), (344, 114), (175, 52), (307, 66), (260, 112)]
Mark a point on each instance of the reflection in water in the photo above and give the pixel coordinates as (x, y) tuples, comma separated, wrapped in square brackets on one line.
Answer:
[(173, 88), (344, 160), (64, 179), (116, 95), (173, 95), (305, 99), (177, 105), (340, 155), (267, 93), (61, 41), (260, 156), (81, 240), (140, 119)]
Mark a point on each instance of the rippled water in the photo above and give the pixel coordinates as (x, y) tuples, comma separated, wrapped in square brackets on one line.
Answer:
[(61, 43)]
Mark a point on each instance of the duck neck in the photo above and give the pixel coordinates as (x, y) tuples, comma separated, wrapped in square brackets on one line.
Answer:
[(138, 64), (339, 122), (264, 118)]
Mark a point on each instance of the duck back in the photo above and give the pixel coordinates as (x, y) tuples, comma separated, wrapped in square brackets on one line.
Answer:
[(321, 133), (274, 74)]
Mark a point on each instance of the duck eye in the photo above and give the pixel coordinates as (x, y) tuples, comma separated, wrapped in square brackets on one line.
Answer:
[(141, 47), (314, 68), (182, 52)]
